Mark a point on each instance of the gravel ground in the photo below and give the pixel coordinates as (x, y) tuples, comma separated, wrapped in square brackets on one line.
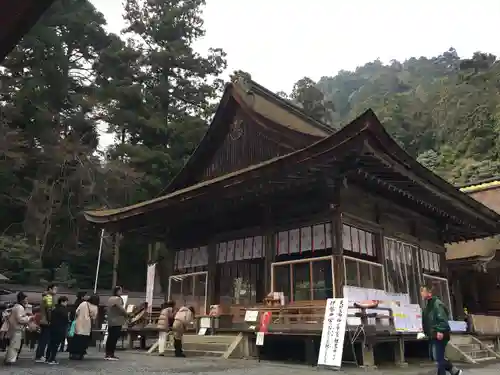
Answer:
[(141, 363)]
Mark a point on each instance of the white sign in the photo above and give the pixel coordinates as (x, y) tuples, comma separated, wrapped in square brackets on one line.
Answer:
[(260, 339), (150, 285), (251, 315), (333, 334), (205, 322)]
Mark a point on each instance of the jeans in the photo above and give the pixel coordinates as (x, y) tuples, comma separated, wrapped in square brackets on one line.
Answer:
[(43, 341), (438, 349), (55, 341), (114, 333)]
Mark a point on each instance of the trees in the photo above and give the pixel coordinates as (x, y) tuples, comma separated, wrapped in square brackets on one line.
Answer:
[(312, 100), (442, 110), (164, 93), (48, 98)]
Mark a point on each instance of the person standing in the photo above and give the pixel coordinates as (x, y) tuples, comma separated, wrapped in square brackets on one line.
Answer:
[(182, 319), (165, 322), (86, 312), (80, 297), (45, 314), (435, 317), (117, 317), (58, 329), (18, 319)]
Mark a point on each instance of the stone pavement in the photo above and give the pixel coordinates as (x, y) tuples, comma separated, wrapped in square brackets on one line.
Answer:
[(141, 363)]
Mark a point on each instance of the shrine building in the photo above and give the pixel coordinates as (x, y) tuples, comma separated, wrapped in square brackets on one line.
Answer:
[(272, 200)]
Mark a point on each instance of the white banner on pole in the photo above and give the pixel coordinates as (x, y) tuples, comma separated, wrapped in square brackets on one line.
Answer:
[(150, 285), (333, 334)]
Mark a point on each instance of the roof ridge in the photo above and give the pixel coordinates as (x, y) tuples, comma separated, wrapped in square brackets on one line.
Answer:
[(245, 81)]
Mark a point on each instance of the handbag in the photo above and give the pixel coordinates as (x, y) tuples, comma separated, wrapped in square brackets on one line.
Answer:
[(71, 331)]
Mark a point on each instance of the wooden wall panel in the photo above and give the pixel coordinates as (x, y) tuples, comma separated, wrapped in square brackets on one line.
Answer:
[(244, 145)]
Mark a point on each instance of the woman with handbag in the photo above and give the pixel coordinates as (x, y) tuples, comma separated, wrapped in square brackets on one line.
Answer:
[(81, 327)]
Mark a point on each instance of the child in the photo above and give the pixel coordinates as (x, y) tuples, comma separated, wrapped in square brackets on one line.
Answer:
[(58, 327)]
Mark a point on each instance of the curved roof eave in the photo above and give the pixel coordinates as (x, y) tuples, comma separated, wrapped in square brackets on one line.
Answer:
[(367, 122), (17, 18)]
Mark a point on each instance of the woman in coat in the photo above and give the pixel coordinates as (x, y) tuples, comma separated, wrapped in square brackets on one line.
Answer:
[(85, 314), (165, 322)]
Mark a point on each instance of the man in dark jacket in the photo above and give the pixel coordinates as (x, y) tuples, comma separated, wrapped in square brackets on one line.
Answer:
[(435, 317), (58, 327)]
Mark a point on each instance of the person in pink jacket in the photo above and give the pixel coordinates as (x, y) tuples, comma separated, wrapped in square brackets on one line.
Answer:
[(182, 319)]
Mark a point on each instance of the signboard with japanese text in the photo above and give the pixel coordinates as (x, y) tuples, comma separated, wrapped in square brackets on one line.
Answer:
[(333, 333)]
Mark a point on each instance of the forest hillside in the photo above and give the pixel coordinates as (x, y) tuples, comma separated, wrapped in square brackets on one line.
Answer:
[(443, 110)]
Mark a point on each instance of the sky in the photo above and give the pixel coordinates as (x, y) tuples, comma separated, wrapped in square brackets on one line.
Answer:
[(280, 41)]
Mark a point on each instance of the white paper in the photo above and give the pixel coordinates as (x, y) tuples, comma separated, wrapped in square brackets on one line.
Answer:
[(222, 253), (203, 257), (258, 247), (251, 315), (230, 251), (176, 261), (346, 237), (319, 239), (248, 248), (180, 260), (238, 250), (328, 235), (150, 284), (260, 339), (294, 241), (188, 255), (333, 333), (369, 244), (306, 239), (283, 243), (202, 332), (195, 257)]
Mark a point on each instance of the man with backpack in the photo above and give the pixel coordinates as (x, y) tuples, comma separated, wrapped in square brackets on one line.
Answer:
[(45, 316)]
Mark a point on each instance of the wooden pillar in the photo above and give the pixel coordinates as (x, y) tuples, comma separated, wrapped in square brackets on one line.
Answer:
[(269, 256), (165, 266), (399, 352), (116, 258), (456, 295), (269, 251), (337, 247), (212, 298)]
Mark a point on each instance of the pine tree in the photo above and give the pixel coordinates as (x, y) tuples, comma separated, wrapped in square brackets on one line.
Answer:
[(172, 90)]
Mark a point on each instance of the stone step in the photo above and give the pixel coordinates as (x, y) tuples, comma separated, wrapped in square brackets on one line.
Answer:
[(209, 347), (194, 353), (216, 339)]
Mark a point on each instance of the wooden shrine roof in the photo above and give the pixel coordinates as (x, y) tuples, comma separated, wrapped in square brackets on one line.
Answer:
[(277, 115), (18, 17), (363, 151), (488, 193)]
